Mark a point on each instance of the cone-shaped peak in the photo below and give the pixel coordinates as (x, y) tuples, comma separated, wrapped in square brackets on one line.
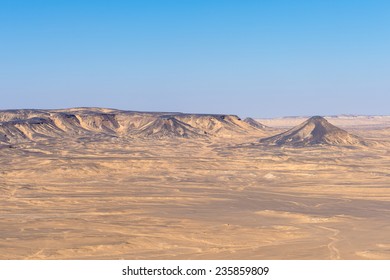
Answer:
[(314, 131), (317, 119)]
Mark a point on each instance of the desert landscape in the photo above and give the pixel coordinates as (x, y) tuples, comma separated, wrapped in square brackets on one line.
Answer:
[(93, 183)]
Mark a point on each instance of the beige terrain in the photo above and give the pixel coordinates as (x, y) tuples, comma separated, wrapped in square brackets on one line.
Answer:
[(343, 121), (108, 184)]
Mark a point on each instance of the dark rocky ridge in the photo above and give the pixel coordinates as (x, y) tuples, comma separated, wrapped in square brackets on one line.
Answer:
[(30, 125)]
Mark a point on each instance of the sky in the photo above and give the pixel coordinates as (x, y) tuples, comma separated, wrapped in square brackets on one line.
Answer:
[(260, 58)]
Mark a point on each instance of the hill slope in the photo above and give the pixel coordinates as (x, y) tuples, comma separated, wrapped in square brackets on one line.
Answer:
[(314, 131), (254, 123), (30, 125)]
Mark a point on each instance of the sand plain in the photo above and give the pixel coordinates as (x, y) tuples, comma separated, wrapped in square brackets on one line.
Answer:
[(226, 197)]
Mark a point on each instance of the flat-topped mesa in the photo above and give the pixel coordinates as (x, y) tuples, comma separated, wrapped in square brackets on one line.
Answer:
[(21, 114), (314, 131), (25, 125)]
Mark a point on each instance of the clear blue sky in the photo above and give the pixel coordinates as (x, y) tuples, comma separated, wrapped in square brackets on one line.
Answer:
[(260, 58)]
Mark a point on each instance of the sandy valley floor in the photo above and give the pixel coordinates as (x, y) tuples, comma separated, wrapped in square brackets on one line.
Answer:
[(212, 198)]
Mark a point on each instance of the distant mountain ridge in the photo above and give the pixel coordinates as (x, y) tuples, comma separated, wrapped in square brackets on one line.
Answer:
[(28, 125)]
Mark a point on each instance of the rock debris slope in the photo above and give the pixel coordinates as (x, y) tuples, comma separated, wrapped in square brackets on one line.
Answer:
[(314, 131), (254, 123), (169, 127)]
